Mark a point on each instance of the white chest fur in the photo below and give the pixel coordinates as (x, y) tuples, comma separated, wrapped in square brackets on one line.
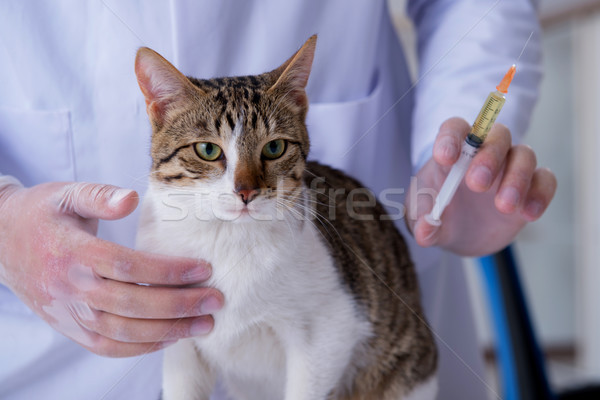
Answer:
[(289, 327)]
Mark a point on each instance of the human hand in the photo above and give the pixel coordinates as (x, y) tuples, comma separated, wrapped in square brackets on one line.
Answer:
[(503, 190), (87, 288)]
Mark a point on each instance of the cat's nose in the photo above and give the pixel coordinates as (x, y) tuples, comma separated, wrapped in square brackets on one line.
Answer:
[(247, 195)]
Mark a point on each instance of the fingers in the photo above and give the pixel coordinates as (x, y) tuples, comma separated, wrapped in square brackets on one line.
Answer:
[(523, 187), (90, 200), (114, 336), (541, 191), (130, 319), (426, 235), (131, 330), (151, 302), (489, 161), (520, 166), (115, 262), (446, 148)]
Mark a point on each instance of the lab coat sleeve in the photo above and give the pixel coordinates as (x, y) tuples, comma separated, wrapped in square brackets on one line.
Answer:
[(464, 48)]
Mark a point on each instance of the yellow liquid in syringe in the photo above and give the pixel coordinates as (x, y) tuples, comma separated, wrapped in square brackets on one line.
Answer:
[(490, 110), (487, 116)]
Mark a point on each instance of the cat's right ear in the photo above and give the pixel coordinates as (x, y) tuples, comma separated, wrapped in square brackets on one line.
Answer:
[(292, 76), (163, 86)]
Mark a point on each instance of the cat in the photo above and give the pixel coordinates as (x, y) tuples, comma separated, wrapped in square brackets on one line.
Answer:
[(320, 302)]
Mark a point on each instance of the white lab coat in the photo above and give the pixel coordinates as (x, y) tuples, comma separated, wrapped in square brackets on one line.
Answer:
[(70, 109)]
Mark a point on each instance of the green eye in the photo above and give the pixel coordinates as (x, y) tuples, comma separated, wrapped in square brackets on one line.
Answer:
[(208, 151), (274, 149)]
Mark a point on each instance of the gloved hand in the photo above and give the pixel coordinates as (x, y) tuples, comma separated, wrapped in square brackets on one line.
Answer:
[(89, 289), (502, 191)]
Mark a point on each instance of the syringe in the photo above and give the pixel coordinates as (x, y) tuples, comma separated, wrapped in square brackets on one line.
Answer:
[(479, 131)]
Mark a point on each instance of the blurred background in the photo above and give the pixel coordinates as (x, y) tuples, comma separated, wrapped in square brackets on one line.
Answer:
[(558, 255)]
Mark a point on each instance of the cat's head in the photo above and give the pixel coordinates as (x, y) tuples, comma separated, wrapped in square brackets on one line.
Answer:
[(241, 141)]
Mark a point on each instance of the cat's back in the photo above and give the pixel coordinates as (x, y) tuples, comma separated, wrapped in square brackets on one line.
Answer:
[(373, 261)]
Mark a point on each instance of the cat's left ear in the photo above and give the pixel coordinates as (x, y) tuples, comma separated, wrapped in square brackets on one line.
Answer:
[(164, 87), (292, 75)]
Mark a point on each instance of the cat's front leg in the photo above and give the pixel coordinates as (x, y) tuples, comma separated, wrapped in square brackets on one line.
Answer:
[(300, 384), (315, 366), (309, 377), (186, 376)]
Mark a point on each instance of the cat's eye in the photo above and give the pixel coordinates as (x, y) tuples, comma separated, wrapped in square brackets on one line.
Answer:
[(208, 151), (274, 149)]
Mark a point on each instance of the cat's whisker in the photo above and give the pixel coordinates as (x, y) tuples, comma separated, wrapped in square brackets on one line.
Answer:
[(324, 221), (297, 214), (311, 211), (307, 200), (302, 205), (321, 192), (296, 208), (310, 221), (289, 208), (289, 225)]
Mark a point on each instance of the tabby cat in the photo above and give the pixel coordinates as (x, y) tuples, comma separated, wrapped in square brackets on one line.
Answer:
[(321, 298)]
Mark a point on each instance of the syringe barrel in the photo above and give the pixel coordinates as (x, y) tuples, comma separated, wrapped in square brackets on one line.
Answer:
[(452, 181), (487, 116)]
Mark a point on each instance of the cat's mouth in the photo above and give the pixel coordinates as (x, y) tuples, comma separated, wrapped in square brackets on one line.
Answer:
[(241, 212)]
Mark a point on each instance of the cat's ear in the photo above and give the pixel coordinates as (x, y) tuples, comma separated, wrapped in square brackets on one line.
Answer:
[(292, 75), (164, 87)]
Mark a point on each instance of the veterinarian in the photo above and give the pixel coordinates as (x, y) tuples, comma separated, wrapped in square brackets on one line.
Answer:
[(71, 111)]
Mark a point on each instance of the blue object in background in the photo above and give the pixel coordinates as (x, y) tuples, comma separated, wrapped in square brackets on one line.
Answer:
[(521, 365)]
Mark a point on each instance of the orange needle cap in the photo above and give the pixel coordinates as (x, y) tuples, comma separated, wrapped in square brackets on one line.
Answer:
[(503, 86)]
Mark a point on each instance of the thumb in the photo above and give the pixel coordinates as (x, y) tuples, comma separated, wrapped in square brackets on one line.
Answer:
[(90, 200)]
